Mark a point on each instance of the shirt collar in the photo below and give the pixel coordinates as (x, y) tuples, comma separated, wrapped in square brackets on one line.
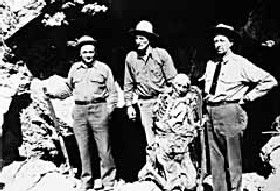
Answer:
[(225, 58), (83, 65), (147, 55)]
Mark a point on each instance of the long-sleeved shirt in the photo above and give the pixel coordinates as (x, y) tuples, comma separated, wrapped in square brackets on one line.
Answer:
[(88, 83), (144, 76), (236, 73)]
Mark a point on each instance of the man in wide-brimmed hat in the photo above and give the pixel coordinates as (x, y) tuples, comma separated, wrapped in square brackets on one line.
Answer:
[(95, 95), (147, 72), (227, 80)]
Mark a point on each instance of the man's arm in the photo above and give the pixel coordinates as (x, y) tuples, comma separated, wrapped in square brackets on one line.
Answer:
[(264, 80), (113, 96), (128, 83), (168, 65)]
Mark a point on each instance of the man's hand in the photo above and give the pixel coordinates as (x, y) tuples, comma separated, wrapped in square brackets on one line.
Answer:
[(131, 112), (111, 107), (45, 90)]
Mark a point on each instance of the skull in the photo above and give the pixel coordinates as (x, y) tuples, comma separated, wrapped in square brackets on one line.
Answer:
[(181, 84)]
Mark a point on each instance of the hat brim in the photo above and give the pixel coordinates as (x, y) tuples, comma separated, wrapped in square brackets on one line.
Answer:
[(87, 42), (134, 32), (232, 35)]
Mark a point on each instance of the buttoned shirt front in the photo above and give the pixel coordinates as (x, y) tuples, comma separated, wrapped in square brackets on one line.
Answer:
[(144, 75), (89, 83), (236, 73)]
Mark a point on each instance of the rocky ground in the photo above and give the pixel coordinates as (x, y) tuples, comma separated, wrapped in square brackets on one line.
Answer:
[(42, 171), (45, 166)]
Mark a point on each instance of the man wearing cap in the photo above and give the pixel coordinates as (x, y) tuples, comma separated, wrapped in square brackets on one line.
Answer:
[(227, 84), (147, 72), (95, 95)]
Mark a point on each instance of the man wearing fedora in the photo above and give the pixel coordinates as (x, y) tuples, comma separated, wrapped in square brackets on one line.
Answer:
[(147, 72), (92, 84), (227, 85)]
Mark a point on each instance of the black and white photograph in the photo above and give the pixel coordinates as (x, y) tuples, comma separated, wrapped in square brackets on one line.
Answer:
[(139, 95)]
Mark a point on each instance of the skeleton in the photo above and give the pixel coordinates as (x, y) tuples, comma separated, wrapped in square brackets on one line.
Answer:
[(168, 160)]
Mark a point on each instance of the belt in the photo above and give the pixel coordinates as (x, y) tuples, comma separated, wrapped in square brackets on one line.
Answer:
[(96, 100), (223, 102), (4, 85), (147, 97)]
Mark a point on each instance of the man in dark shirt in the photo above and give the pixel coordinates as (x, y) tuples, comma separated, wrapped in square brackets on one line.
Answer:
[(147, 71)]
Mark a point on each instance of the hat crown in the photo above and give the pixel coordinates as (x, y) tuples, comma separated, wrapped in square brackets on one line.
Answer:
[(145, 26), (227, 31), (223, 26), (86, 40)]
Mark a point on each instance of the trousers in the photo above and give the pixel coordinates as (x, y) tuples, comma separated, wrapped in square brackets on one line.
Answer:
[(225, 124), (146, 117), (93, 118)]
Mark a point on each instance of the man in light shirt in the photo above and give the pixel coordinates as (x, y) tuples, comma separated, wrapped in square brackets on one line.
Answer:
[(228, 81), (93, 87), (148, 70)]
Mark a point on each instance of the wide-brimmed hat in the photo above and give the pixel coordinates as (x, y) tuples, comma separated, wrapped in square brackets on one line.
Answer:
[(144, 28), (226, 30), (86, 40)]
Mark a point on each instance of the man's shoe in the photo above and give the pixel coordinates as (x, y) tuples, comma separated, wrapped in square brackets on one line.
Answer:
[(2, 185), (108, 188), (98, 184), (119, 184)]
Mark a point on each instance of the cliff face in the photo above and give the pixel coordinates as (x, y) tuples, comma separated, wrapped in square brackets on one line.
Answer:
[(263, 22)]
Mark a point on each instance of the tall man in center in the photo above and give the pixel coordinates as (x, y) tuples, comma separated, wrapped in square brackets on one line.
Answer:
[(147, 72)]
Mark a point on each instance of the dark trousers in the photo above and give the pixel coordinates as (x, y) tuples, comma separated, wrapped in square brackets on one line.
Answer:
[(93, 118), (225, 126)]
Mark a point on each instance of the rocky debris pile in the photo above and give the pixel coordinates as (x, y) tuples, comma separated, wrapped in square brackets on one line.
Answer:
[(271, 155), (138, 186), (36, 175), (250, 182), (40, 136), (37, 131)]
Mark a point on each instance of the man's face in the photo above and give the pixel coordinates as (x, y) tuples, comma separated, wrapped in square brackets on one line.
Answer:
[(87, 52), (141, 42), (222, 44)]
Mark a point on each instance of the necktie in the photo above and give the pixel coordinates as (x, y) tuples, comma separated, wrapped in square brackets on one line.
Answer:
[(215, 78)]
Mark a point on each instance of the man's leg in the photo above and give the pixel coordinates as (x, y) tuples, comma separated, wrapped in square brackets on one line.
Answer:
[(108, 168), (1, 156), (98, 120), (234, 162), (146, 116), (1, 141), (81, 133), (218, 168)]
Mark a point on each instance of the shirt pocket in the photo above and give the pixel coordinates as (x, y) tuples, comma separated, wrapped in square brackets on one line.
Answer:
[(230, 79), (156, 72), (98, 81), (76, 80)]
